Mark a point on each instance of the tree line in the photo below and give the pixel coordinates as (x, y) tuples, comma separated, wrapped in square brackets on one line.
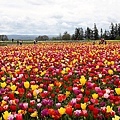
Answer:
[(93, 34)]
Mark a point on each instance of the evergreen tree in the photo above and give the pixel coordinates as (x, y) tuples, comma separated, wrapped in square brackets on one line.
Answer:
[(79, 34), (87, 33), (116, 30), (101, 31), (119, 29), (95, 32), (106, 35), (112, 32), (91, 34)]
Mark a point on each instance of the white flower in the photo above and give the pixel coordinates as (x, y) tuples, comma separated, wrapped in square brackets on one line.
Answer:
[(107, 91), (106, 95), (100, 75)]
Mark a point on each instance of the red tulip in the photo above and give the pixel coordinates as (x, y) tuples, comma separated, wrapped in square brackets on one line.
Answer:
[(91, 107), (13, 108), (21, 91), (69, 110), (87, 92), (86, 99), (1, 109), (30, 110), (11, 96), (19, 117), (77, 106), (61, 97)]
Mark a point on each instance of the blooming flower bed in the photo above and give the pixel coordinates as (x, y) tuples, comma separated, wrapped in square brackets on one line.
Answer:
[(53, 81)]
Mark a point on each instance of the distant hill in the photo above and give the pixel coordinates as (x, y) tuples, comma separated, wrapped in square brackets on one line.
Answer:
[(26, 37), (22, 37)]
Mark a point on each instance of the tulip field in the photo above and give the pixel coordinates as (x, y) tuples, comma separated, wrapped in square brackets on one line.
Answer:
[(60, 81)]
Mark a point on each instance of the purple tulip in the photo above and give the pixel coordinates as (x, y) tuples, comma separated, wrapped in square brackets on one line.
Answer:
[(44, 113)]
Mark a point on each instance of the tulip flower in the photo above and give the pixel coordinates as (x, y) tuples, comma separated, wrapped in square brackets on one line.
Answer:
[(117, 90), (28, 68), (95, 96), (26, 84), (82, 80), (35, 69), (44, 113), (13, 87), (61, 97), (3, 78), (34, 87), (6, 114), (11, 117), (116, 118), (3, 103), (35, 114), (67, 93), (35, 93), (19, 117), (3, 85), (77, 113), (110, 71), (13, 108), (61, 110), (69, 110), (83, 106), (109, 109)]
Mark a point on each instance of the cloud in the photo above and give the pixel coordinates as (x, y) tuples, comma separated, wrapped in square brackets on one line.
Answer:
[(54, 17)]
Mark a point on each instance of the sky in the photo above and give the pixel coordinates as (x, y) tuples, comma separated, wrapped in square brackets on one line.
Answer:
[(52, 17)]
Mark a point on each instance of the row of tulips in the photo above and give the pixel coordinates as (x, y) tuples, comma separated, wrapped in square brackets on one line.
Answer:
[(53, 81)]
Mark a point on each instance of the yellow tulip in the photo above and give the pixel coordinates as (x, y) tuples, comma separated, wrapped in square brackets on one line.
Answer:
[(40, 90), (117, 90), (28, 67), (6, 114), (3, 69), (43, 73), (67, 69), (63, 72), (51, 85), (61, 110), (35, 93), (83, 106), (82, 80), (116, 118), (21, 112), (35, 114), (26, 84), (95, 96), (3, 78), (13, 87), (112, 62), (3, 103), (110, 72), (34, 87), (108, 63), (109, 109), (67, 93), (3, 85)]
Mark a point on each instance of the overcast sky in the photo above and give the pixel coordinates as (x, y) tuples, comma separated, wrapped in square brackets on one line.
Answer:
[(52, 17)]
